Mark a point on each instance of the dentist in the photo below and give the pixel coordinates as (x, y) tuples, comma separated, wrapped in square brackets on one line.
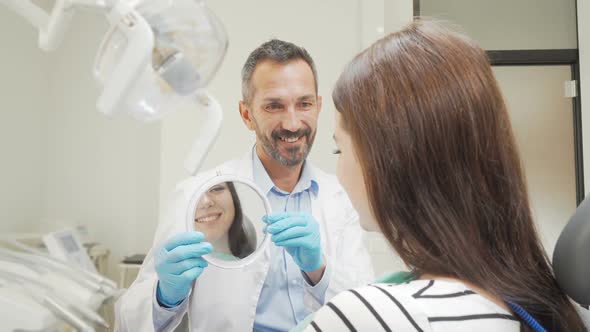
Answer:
[(317, 251)]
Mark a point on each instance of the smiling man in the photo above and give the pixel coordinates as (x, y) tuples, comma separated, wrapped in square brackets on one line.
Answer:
[(284, 112), (317, 247)]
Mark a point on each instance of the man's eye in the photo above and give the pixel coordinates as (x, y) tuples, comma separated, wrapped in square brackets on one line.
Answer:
[(273, 107), (306, 105), (336, 151)]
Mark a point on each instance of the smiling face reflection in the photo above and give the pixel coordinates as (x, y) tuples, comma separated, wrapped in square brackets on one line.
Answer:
[(214, 216)]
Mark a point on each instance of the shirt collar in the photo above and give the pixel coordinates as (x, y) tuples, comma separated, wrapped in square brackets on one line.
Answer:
[(307, 181)]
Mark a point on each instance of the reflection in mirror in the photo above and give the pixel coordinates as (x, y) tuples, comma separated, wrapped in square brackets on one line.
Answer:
[(229, 214)]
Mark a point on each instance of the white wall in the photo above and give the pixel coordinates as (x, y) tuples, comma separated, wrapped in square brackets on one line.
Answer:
[(509, 24), (25, 107), (397, 13), (101, 172)]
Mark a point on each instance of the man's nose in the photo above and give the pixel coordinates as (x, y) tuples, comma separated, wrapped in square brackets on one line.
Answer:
[(291, 120)]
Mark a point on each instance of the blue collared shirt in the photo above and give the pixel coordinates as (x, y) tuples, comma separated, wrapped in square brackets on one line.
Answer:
[(281, 304)]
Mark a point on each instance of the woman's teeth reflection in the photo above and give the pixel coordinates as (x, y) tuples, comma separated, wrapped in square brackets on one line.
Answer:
[(208, 218)]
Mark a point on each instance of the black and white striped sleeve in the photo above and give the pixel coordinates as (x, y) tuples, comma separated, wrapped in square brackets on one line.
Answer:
[(370, 308)]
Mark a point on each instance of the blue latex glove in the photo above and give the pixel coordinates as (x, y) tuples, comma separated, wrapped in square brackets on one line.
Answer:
[(299, 234), (178, 263)]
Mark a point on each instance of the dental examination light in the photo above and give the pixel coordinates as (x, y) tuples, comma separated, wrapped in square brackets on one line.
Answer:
[(157, 57)]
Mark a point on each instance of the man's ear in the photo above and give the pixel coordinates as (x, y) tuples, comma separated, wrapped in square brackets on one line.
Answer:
[(246, 115), (319, 104)]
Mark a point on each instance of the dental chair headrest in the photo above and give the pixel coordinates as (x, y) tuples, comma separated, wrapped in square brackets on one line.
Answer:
[(571, 258)]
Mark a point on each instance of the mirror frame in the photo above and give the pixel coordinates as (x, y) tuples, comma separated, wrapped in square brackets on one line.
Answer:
[(192, 206)]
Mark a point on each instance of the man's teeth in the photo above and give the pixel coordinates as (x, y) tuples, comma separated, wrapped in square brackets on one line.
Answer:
[(290, 139), (208, 219)]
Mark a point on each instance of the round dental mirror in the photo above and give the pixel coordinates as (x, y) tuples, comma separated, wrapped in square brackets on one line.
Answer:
[(229, 211)]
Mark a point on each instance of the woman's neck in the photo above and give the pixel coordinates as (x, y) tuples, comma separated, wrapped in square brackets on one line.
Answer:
[(222, 245)]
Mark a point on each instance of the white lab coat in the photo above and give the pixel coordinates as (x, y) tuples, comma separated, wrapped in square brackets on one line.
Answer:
[(226, 300)]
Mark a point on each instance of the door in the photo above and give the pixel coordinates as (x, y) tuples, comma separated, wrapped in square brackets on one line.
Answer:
[(542, 120)]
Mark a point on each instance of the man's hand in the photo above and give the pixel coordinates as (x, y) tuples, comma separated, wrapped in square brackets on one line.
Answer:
[(299, 234), (178, 263)]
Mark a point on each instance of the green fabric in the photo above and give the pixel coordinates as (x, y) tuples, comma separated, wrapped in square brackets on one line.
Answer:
[(395, 278), (304, 323), (223, 256)]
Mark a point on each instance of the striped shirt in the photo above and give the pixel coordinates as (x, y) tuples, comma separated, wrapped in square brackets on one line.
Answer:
[(420, 305)]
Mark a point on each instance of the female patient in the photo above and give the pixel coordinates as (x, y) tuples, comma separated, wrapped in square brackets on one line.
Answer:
[(219, 216), (428, 158)]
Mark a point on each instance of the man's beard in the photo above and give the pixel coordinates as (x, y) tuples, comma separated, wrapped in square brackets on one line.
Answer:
[(295, 155)]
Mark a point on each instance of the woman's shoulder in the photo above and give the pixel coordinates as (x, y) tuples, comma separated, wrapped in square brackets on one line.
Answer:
[(419, 305), (373, 307), (450, 305)]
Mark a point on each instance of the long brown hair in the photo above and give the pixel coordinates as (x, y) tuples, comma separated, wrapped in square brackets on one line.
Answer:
[(441, 167), (240, 244)]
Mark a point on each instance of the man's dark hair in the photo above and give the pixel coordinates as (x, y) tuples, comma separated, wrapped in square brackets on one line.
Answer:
[(278, 51)]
